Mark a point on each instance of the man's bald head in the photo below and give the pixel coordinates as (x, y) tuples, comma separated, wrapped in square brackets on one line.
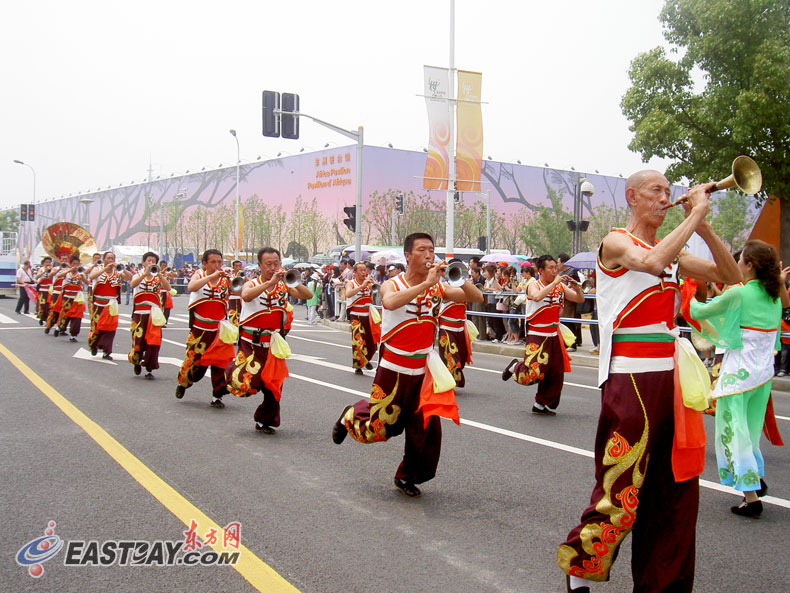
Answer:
[(639, 178)]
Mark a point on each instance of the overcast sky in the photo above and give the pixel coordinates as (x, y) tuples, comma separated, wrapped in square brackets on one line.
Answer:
[(92, 90)]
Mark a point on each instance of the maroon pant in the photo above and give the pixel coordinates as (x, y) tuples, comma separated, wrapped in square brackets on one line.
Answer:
[(453, 351), (543, 364), (391, 410), (636, 490), (243, 378), (363, 348), (143, 353)]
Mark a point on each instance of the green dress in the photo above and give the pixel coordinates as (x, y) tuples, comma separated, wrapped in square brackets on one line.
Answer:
[(745, 320)]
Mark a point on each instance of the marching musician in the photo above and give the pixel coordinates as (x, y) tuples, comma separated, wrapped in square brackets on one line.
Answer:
[(43, 284), (263, 313), (234, 301), (208, 290), (55, 298), (73, 299), (364, 333), (166, 297), (106, 280), (411, 303), (455, 347), (146, 335), (545, 358)]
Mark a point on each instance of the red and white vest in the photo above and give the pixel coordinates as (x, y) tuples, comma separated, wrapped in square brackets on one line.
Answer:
[(543, 316), (359, 303), (146, 295), (264, 314)]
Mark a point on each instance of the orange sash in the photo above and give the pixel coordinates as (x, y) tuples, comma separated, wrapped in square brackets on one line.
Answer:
[(375, 330), (437, 404), (106, 322), (218, 354), (770, 428), (688, 446), (153, 333), (275, 371), (566, 358)]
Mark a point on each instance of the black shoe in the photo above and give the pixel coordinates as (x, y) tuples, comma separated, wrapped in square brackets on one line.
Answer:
[(507, 373), (216, 403), (107, 357), (763, 488), (358, 372), (138, 369), (56, 333), (339, 431), (180, 391), (264, 429), (41, 322), (94, 351), (46, 330), (407, 488), (748, 509), (577, 589), (544, 411), (72, 339), (149, 375), (369, 366)]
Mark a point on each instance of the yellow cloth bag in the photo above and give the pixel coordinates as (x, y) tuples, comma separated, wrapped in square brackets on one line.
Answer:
[(442, 378), (567, 335), (694, 378), (471, 328), (375, 316), (80, 298), (112, 308), (228, 332), (279, 347), (157, 317), (173, 292)]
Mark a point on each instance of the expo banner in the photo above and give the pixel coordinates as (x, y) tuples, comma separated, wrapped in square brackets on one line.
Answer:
[(469, 148), (437, 93)]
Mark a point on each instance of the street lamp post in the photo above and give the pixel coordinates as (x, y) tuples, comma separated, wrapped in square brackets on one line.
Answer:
[(583, 189), (236, 218), (87, 201), (18, 162)]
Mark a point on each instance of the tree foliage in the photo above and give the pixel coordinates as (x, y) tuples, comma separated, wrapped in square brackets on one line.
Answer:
[(9, 220), (547, 231)]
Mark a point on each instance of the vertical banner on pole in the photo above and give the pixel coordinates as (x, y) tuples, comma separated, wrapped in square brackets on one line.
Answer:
[(437, 91), (469, 147)]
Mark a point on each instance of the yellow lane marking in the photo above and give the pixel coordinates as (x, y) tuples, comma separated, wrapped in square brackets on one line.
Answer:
[(259, 574)]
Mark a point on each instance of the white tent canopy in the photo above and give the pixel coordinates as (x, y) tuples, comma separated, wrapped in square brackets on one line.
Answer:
[(129, 254)]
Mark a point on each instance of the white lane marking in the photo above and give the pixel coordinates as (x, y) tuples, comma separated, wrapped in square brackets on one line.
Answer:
[(316, 360), (544, 442), (6, 319), (83, 354), (176, 362), (15, 328)]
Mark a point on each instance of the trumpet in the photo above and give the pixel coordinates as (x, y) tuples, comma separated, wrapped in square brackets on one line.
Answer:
[(119, 267), (457, 273), (64, 265), (154, 269), (80, 270), (587, 286), (236, 285), (292, 278), (746, 176)]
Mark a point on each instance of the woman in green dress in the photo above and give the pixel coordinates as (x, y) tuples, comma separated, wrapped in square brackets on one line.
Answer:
[(744, 320)]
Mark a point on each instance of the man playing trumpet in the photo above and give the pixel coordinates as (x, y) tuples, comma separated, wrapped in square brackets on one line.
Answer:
[(234, 301), (264, 302), (411, 302), (208, 289), (43, 284), (73, 305), (146, 335), (365, 333), (107, 280)]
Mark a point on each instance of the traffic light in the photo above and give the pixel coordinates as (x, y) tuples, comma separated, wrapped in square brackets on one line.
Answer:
[(399, 204), (351, 220), (481, 243), (290, 123), (271, 120), (23, 212), (31, 212)]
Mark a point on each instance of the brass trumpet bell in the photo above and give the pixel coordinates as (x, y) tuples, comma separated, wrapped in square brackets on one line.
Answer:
[(292, 278), (236, 285), (67, 238), (746, 176)]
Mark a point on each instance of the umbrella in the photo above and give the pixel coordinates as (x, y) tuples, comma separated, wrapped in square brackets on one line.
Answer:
[(495, 258), (388, 256), (584, 260), (288, 261), (303, 265), (322, 260), (364, 255)]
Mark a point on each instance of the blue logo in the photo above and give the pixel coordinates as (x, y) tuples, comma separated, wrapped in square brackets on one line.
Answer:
[(34, 553)]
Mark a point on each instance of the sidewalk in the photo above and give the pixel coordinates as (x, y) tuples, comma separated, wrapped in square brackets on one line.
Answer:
[(581, 357)]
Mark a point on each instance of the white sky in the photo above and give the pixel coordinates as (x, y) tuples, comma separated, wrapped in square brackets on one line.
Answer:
[(90, 89)]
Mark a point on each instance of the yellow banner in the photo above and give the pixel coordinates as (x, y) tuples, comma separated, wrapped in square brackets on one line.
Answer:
[(469, 147), (437, 91)]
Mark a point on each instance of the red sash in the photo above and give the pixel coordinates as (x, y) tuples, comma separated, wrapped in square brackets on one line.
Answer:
[(218, 354), (437, 404), (688, 446), (153, 333), (106, 322), (275, 371)]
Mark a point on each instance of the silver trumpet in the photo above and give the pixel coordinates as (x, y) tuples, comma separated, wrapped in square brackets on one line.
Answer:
[(456, 273), (292, 278), (119, 267), (154, 270), (236, 284), (80, 270)]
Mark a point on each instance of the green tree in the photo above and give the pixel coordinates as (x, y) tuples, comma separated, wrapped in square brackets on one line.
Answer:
[(731, 218), (603, 220), (547, 231), (740, 104), (9, 220)]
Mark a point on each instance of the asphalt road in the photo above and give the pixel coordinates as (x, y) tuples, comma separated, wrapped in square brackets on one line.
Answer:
[(510, 485)]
